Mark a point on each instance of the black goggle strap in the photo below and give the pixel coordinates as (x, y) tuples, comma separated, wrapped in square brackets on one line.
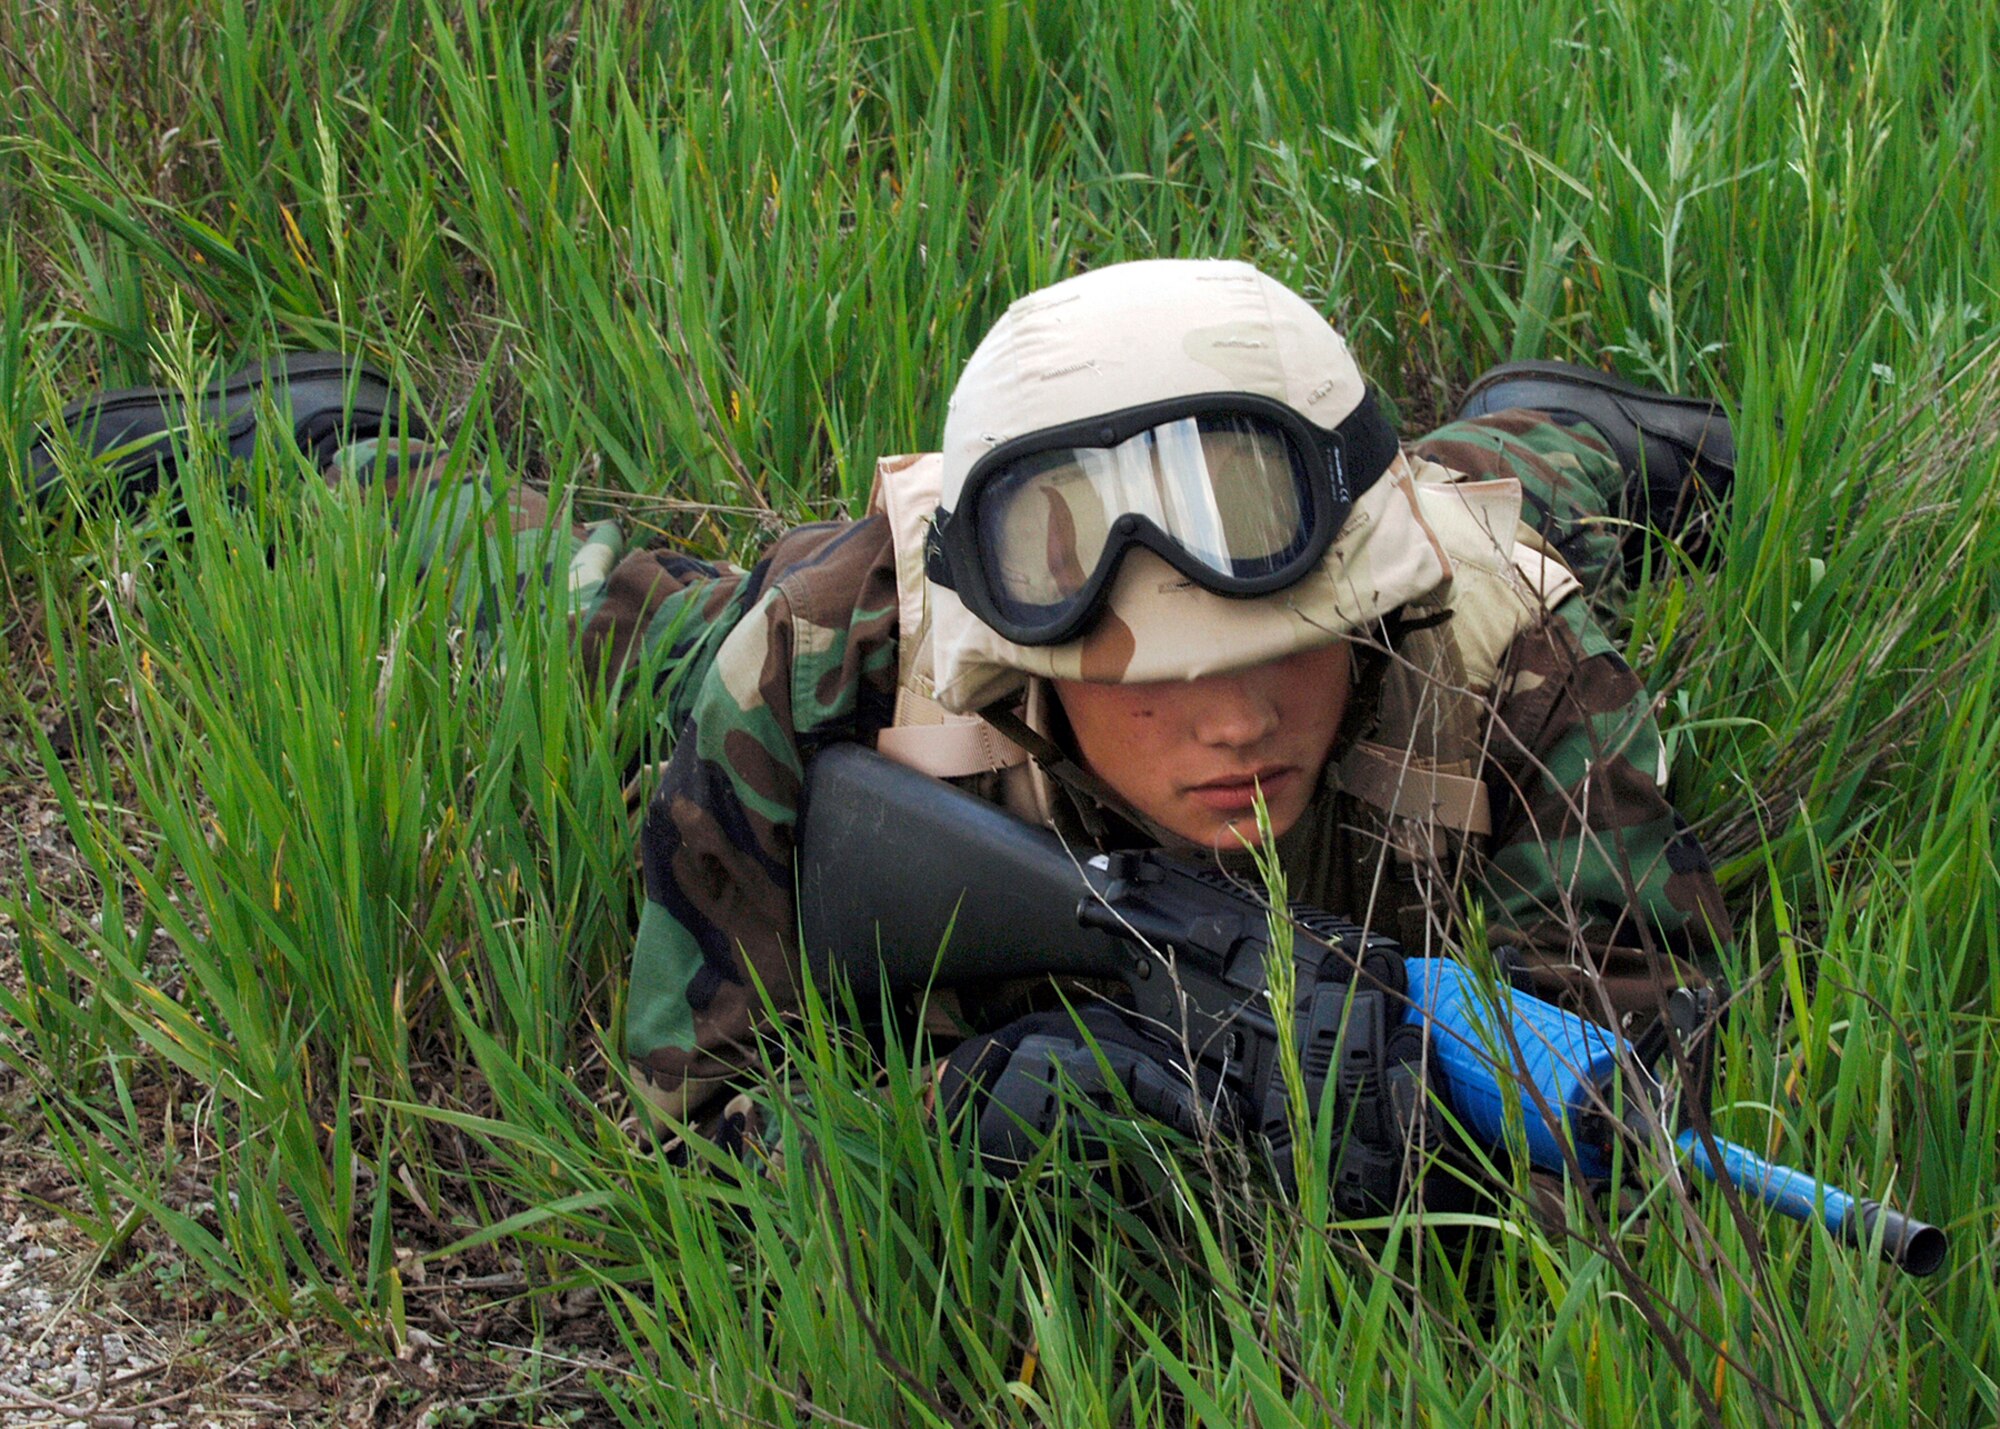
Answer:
[(937, 570), (1367, 445), (1364, 445)]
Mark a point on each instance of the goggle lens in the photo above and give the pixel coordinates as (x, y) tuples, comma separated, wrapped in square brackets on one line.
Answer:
[(1229, 490)]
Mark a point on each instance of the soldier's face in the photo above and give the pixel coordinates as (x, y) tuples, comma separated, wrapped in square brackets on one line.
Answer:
[(1191, 755)]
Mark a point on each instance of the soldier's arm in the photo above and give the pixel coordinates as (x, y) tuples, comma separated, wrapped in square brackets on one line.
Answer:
[(812, 661), (1591, 873), (627, 605)]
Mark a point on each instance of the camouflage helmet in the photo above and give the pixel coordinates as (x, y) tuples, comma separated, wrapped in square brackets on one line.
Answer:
[(1137, 337)]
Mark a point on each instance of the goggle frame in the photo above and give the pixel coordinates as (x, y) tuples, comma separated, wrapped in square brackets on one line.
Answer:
[(1340, 464)]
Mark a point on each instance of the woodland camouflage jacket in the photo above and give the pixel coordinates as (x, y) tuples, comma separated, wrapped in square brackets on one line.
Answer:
[(1589, 872)]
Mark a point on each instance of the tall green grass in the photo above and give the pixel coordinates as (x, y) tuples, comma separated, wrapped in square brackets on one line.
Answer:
[(363, 888)]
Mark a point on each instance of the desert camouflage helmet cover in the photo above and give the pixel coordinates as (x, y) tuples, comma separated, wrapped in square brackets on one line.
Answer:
[(1147, 332)]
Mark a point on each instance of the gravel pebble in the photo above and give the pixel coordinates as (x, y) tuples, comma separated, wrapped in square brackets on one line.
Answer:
[(53, 1361)]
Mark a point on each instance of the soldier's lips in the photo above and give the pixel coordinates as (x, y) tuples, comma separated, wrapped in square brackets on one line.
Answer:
[(1237, 794)]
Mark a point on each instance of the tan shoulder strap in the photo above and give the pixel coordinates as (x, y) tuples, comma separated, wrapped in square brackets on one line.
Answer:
[(1547, 576), (1418, 763), (905, 494), (1404, 788), (961, 745), (925, 735)]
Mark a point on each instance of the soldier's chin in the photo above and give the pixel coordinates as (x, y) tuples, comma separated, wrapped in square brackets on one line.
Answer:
[(1226, 833)]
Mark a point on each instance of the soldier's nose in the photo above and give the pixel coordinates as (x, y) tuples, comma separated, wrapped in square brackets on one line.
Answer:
[(1232, 712)]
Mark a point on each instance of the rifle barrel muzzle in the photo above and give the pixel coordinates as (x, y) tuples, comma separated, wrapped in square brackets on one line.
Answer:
[(1906, 1242)]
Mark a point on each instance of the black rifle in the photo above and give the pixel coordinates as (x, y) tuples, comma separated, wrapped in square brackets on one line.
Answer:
[(905, 879)]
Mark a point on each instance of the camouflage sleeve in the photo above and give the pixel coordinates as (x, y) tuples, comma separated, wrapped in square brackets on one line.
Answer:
[(620, 601), (1590, 872), (810, 659), (1572, 490), (652, 605)]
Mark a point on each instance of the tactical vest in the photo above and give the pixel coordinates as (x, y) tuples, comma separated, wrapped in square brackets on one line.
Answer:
[(1415, 765)]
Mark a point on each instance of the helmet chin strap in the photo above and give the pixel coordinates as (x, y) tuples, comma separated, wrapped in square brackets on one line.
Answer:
[(1090, 798)]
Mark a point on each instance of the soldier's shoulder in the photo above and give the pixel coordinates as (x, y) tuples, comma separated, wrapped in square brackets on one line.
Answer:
[(830, 569)]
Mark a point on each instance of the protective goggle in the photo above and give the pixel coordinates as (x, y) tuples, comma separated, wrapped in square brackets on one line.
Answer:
[(1239, 493)]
